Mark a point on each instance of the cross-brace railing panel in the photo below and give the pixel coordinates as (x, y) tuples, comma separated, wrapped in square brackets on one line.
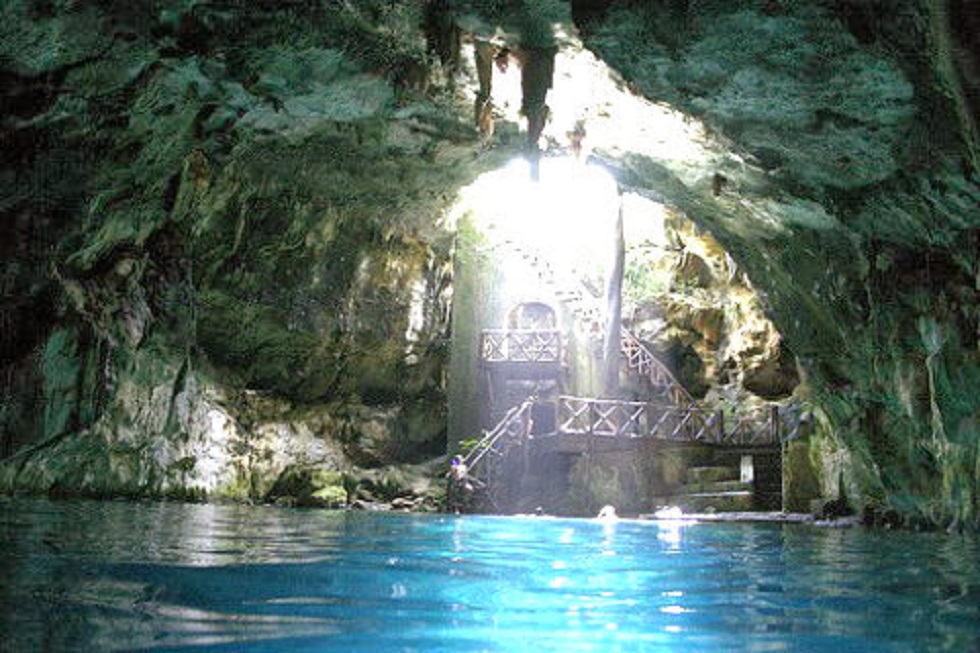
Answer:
[(615, 418), (521, 346), (602, 417), (639, 358)]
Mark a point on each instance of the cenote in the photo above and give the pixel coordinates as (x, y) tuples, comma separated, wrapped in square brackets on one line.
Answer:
[(318, 298), (81, 575)]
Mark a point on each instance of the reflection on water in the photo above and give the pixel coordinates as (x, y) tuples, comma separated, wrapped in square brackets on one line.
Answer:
[(122, 576)]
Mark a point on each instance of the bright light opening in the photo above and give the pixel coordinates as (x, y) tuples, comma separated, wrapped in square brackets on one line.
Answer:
[(567, 216)]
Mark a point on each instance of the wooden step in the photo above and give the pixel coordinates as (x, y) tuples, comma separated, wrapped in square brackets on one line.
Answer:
[(711, 474), (741, 501), (717, 486)]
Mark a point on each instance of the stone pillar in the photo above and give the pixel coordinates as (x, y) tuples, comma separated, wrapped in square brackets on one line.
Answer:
[(614, 303)]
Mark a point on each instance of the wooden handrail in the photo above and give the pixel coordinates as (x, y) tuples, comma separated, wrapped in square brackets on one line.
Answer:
[(639, 358), (686, 420), (516, 422)]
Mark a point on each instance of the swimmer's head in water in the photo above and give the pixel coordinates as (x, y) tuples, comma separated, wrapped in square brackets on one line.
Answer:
[(607, 512)]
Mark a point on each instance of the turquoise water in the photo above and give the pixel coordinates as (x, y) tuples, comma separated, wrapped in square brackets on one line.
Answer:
[(153, 576)]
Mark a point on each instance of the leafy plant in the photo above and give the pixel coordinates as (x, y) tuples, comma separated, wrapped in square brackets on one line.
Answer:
[(641, 281), (468, 445)]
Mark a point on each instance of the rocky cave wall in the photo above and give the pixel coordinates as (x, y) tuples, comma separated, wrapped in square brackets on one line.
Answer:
[(222, 253), (221, 242), (857, 221)]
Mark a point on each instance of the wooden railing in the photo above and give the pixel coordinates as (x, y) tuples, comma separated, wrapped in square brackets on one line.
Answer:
[(515, 427), (662, 382), (521, 346), (583, 301), (634, 419), (682, 420), (602, 417)]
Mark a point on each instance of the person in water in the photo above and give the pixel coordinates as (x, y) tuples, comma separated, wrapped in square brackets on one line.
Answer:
[(458, 469), (607, 513)]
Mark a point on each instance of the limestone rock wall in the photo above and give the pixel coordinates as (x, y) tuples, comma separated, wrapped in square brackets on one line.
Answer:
[(222, 251), (849, 199), (689, 301)]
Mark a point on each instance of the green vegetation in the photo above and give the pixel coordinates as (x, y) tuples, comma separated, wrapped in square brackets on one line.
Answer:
[(641, 280)]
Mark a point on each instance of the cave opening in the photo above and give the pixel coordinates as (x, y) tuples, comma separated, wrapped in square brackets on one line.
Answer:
[(547, 273), (559, 227)]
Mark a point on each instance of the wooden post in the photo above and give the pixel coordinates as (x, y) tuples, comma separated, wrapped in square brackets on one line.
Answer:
[(592, 415), (782, 476), (721, 426), (588, 464), (774, 423), (528, 426)]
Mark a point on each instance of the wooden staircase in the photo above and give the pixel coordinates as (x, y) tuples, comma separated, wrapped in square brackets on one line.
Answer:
[(499, 461), (486, 461), (582, 301), (660, 380)]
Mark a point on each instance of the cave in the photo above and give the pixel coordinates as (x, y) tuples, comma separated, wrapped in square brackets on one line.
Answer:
[(239, 243), (489, 324)]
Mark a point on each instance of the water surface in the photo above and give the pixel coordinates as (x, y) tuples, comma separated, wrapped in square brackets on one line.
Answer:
[(157, 576)]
